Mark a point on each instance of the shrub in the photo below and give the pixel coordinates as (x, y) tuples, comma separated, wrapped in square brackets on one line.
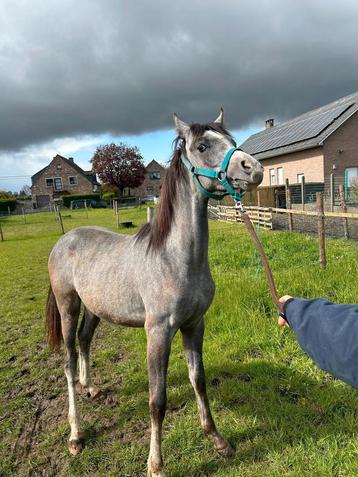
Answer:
[(66, 199), (5, 203)]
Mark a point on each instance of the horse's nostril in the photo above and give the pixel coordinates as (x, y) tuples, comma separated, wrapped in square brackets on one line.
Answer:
[(245, 165), (257, 177)]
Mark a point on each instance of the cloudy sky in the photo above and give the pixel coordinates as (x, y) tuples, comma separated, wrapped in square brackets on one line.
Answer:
[(75, 74)]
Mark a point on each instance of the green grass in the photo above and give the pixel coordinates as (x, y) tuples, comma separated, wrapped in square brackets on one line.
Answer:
[(283, 415)]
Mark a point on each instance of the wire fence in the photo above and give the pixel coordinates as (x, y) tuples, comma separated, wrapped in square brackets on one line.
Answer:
[(339, 194)]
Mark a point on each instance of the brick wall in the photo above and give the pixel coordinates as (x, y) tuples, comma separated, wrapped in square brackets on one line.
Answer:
[(59, 167), (341, 149), (151, 185), (308, 162)]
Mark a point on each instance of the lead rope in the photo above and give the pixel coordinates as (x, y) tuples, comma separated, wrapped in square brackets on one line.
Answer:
[(269, 277)]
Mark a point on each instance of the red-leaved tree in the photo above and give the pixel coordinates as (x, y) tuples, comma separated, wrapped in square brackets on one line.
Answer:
[(119, 165)]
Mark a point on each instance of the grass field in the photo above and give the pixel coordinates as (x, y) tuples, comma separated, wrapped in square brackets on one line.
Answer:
[(283, 415)]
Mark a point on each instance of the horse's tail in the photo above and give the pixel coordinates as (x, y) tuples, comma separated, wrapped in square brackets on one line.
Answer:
[(53, 322)]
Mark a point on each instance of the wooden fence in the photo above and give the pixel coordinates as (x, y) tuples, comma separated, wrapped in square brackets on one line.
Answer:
[(263, 216)]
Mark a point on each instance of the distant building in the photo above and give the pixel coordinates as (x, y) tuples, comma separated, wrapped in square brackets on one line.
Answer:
[(61, 177), (314, 145), (152, 184)]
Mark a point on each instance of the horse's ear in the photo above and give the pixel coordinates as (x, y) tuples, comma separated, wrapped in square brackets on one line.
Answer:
[(181, 127), (220, 118)]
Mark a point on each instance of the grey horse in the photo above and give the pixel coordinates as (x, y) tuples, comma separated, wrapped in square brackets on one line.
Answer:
[(160, 280)]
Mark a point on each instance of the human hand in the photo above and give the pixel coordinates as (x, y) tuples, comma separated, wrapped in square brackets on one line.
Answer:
[(282, 321)]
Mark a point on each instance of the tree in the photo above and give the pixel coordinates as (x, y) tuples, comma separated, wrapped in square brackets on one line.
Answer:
[(6, 194), (119, 165), (25, 191)]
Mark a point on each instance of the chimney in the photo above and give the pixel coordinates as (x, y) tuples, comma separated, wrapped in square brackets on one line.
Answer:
[(72, 160), (269, 123)]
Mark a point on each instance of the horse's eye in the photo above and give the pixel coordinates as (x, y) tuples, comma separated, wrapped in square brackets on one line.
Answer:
[(202, 147)]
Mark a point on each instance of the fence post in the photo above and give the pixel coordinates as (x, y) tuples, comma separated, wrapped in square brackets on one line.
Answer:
[(149, 214), (258, 199), (60, 220), (8, 210), (24, 215), (344, 209), (289, 205), (331, 188), (1, 234), (303, 192), (321, 230)]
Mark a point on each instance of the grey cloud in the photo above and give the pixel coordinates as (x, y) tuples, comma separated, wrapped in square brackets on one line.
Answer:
[(75, 67)]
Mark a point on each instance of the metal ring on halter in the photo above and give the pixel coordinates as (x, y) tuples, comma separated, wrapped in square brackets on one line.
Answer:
[(222, 175)]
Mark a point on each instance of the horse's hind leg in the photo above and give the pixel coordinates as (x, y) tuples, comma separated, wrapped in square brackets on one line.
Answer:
[(85, 334), (69, 307), (193, 344)]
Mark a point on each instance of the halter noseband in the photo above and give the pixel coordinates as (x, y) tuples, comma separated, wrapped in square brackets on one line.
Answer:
[(220, 175)]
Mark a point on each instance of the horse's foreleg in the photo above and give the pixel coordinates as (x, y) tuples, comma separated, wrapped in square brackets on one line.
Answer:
[(193, 345), (69, 310), (85, 334), (158, 348)]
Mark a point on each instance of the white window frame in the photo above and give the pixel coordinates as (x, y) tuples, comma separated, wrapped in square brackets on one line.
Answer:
[(280, 180), (69, 181), (350, 177), (54, 183), (300, 177), (272, 175)]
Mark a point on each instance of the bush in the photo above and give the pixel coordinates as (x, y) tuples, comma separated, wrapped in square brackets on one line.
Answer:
[(5, 203), (66, 199)]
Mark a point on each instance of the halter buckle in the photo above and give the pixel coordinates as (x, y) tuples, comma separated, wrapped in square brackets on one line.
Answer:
[(222, 175), (238, 205)]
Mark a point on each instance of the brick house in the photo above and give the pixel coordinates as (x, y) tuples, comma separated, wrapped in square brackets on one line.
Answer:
[(61, 177), (152, 183), (313, 145)]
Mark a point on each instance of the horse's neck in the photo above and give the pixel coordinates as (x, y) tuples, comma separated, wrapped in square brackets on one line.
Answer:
[(189, 234)]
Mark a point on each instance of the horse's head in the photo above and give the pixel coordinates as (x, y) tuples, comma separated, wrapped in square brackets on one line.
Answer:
[(206, 146)]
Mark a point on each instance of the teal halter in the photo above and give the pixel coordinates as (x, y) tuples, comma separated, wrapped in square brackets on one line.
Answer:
[(220, 175)]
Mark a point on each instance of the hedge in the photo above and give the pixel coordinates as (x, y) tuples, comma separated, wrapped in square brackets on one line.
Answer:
[(6, 203), (66, 199)]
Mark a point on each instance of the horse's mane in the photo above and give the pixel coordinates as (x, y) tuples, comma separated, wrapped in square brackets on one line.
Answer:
[(159, 229)]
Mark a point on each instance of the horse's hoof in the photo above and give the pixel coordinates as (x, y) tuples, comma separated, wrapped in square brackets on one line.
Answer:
[(92, 392), (227, 451), (75, 446), (154, 470)]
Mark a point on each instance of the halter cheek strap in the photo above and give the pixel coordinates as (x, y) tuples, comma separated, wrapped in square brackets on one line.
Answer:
[(220, 175)]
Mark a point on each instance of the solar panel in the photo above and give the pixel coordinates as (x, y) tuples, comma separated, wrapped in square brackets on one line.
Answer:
[(308, 127)]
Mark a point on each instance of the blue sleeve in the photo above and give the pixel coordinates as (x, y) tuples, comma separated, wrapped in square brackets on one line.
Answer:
[(328, 333)]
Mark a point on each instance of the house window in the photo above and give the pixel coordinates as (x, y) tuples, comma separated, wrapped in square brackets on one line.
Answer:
[(351, 175), (300, 178), (350, 183), (272, 177), (280, 175), (49, 182), (58, 183), (154, 175), (72, 180)]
